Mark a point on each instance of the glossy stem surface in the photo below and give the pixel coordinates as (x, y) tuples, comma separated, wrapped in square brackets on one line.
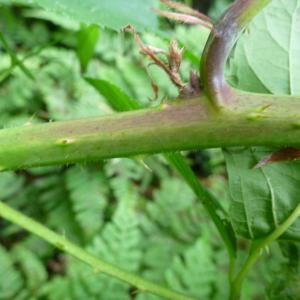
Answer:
[(220, 43), (250, 120)]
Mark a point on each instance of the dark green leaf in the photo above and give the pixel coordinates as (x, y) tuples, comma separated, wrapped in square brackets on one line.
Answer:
[(269, 51), (32, 267), (262, 198), (213, 207), (15, 61), (194, 272), (116, 98), (113, 14), (11, 281), (267, 58), (88, 189), (86, 43)]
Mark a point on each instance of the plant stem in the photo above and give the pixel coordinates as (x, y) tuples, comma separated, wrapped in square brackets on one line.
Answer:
[(256, 250), (231, 272), (209, 202), (14, 59), (97, 265), (214, 209), (219, 45), (184, 125)]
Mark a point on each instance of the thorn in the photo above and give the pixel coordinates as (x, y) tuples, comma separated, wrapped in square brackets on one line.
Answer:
[(255, 116), (141, 159), (146, 166), (29, 122), (263, 162), (65, 141), (263, 108), (283, 155), (165, 105)]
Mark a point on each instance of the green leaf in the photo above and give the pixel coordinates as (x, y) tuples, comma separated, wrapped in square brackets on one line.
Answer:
[(240, 75), (194, 272), (113, 14), (86, 42), (32, 267), (286, 286), (55, 203), (175, 210), (57, 288), (11, 281), (88, 189), (120, 101), (118, 244), (262, 198), (193, 39), (65, 93), (181, 268), (213, 207), (270, 50), (116, 98), (266, 59), (218, 8), (291, 251), (10, 184), (14, 59)]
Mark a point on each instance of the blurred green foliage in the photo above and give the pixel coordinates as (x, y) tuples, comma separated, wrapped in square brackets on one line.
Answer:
[(134, 213)]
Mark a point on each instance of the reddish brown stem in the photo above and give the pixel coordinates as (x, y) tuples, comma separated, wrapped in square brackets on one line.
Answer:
[(219, 45)]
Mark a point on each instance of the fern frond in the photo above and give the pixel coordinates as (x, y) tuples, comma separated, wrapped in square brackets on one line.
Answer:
[(128, 179), (88, 193), (175, 210), (11, 281), (55, 202), (57, 288), (32, 268), (119, 242), (194, 272), (10, 184)]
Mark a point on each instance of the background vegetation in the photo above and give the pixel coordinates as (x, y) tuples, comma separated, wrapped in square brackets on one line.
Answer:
[(135, 213)]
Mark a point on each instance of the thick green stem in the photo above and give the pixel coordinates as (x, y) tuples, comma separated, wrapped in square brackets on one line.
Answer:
[(256, 252), (218, 48), (219, 45), (96, 264), (217, 213), (250, 120), (213, 207)]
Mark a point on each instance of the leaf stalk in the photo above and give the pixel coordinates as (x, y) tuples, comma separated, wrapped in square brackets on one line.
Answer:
[(219, 46), (95, 263), (256, 250)]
